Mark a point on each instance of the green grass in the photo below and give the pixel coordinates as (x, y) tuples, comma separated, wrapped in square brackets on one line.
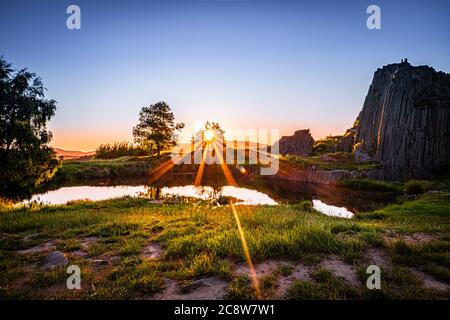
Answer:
[(433, 257), (370, 185), (326, 286), (202, 240), (428, 213), (241, 289), (123, 167), (340, 163)]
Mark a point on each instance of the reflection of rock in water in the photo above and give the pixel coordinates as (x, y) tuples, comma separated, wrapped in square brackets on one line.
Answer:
[(282, 190), (294, 192)]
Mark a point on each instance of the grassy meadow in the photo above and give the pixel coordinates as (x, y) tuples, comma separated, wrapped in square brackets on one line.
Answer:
[(133, 249)]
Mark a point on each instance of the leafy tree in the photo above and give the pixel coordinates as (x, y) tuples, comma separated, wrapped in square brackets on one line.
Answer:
[(215, 127), (156, 128), (26, 160)]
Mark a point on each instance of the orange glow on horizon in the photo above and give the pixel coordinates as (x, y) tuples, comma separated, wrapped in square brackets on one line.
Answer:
[(88, 139)]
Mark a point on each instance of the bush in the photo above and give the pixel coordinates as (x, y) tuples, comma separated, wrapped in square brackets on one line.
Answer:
[(416, 186), (326, 145), (306, 205), (118, 149)]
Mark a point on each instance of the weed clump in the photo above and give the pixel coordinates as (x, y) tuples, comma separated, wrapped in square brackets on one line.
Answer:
[(416, 187)]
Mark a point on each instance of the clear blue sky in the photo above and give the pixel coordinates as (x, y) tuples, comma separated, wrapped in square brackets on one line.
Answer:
[(244, 63)]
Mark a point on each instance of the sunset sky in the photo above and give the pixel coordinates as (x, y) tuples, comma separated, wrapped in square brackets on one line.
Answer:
[(244, 63)]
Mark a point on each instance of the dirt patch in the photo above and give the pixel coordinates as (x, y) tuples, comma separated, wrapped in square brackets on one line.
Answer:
[(413, 238), (103, 261), (429, 282), (87, 242), (152, 251), (261, 269), (170, 289), (30, 237), (377, 256), (300, 272), (419, 237), (269, 267), (211, 288), (78, 253), (156, 201), (341, 269), (40, 248)]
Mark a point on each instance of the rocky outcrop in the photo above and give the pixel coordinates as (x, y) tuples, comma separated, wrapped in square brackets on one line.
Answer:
[(405, 121), (346, 142), (312, 174), (299, 144), (319, 176), (55, 259)]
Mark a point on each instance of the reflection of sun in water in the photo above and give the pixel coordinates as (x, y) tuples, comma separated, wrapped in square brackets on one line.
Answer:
[(209, 135)]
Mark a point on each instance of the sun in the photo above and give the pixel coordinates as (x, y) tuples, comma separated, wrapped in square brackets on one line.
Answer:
[(209, 135)]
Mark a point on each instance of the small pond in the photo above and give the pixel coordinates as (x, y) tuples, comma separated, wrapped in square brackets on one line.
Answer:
[(63, 195), (330, 201)]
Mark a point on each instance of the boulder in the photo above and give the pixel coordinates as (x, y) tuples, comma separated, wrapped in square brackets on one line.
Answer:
[(362, 156), (55, 260), (299, 144), (345, 144)]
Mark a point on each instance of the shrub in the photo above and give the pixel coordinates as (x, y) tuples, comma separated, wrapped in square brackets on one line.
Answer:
[(306, 205), (416, 186), (326, 145), (118, 149)]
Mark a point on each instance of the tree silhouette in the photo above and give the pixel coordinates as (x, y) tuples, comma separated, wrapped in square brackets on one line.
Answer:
[(156, 127), (26, 160)]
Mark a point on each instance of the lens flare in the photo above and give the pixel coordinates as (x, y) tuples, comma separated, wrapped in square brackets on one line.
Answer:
[(166, 166), (209, 135), (230, 180), (253, 275)]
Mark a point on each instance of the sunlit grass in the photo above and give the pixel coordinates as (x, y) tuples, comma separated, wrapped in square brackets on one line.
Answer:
[(202, 240)]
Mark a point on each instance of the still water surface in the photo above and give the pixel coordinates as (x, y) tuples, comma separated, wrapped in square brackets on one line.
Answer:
[(243, 196)]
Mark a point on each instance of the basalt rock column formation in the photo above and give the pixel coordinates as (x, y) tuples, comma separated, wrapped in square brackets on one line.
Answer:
[(405, 121)]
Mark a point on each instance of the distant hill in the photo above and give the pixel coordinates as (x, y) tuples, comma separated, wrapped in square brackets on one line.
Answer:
[(72, 155), (82, 155)]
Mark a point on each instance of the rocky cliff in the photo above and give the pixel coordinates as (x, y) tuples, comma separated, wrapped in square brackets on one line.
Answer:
[(405, 121)]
